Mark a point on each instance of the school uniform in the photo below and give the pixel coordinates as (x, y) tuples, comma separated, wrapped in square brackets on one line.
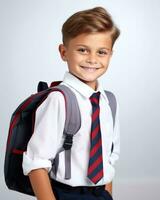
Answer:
[(48, 138)]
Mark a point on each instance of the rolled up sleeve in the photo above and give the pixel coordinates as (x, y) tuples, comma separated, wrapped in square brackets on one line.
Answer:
[(31, 164), (47, 134)]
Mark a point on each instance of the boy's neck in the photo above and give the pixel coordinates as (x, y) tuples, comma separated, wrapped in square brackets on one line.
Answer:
[(93, 85)]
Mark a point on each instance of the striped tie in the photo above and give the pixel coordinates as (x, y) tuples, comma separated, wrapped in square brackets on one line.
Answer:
[(95, 168)]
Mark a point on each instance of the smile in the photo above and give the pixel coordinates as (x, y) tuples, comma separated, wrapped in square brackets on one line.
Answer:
[(89, 69)]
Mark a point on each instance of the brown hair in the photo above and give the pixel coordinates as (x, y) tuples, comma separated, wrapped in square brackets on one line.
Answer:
[(89, 21)]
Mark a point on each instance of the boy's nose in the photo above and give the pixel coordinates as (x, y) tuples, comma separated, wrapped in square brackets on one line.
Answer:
[(91, 59)]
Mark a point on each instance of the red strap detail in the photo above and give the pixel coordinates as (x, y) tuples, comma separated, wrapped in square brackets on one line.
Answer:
[(55, 83), (16, 151)]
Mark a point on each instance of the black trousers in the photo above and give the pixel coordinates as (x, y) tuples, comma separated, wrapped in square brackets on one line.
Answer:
[(66, 192)]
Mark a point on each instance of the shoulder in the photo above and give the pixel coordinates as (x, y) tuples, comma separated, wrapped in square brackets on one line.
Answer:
[(52, 100), (55, 96)]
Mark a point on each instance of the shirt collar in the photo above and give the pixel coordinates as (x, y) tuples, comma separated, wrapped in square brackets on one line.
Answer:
[(82, 88)]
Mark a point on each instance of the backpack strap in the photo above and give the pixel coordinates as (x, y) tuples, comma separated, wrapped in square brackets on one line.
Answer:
[(113, 104), (72, 125)]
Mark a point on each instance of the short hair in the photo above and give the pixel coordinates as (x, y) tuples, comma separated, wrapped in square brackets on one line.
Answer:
[(88, 21)]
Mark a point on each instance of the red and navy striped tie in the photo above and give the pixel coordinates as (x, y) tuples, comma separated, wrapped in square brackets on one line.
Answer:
[(95, 168)]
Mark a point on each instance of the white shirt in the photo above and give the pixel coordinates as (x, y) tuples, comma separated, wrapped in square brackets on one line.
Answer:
[(47, 137)]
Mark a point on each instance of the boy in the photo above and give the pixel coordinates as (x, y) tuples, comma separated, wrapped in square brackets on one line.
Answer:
[(88, 39)]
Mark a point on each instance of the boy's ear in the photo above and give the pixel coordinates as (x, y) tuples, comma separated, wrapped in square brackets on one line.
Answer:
[(62, 51)]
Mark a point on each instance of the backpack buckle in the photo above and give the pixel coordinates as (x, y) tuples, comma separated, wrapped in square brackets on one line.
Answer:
[(68, 142)]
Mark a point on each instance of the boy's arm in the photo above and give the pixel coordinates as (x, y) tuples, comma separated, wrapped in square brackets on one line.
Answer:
[(108, 187), (116, 150), (43, 144), (41, 184)]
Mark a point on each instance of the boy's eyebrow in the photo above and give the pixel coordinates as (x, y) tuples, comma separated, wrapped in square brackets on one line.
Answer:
[(88, 46)]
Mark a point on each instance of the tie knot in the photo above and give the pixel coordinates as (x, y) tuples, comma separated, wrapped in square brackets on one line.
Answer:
[(94, 98)]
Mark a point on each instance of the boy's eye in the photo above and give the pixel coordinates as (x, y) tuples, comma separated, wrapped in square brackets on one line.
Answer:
[(102, 52), (82, 50)]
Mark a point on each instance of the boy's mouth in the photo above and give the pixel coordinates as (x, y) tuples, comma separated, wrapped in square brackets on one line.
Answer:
[(89, 69)]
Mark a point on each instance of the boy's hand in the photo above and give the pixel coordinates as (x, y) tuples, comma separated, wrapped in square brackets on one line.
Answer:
[(108, 187)]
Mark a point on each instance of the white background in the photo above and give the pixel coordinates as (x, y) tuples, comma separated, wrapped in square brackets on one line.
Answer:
[(30, 32)]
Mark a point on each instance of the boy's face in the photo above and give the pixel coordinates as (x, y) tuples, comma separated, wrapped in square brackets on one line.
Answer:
[(88, 56)]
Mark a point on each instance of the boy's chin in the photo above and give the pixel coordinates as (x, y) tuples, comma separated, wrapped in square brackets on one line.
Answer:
[(87, 79)]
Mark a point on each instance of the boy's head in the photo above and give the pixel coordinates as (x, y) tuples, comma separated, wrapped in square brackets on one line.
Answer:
[(96, 20), (88, 39)]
